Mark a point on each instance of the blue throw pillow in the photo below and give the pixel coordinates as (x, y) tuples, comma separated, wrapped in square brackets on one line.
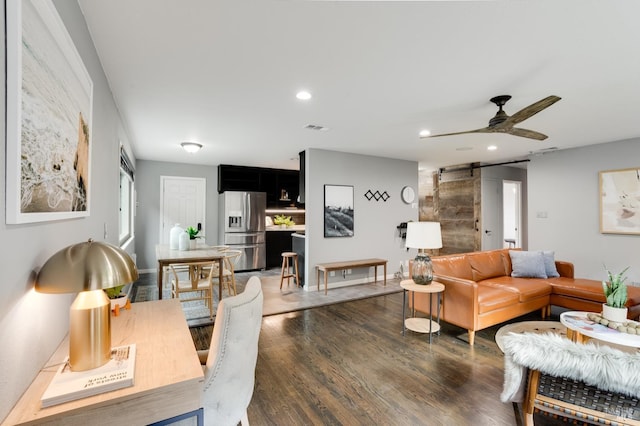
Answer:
[(527, 264), (550, 264)]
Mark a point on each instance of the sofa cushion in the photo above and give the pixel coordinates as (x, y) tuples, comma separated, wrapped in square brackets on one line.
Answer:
[(486, 264), (452, 266), (550, 264), (525, 288), (527, 264), (583, 288), (492, 298)]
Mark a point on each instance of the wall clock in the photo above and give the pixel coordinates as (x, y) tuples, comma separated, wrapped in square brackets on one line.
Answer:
[(408, 194)]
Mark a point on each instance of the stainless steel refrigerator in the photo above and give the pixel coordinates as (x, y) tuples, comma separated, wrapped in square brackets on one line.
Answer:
[(242, 226)]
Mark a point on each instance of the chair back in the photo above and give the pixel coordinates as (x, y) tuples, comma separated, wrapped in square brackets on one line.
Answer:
[(231, 362)]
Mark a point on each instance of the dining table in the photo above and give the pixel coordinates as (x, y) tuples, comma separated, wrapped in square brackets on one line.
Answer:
[(202, 253)]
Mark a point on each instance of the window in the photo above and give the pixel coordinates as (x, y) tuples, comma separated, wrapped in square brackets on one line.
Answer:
[(127, 198)]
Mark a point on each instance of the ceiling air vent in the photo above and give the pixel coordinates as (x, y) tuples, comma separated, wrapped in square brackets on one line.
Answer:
[(316, 127)]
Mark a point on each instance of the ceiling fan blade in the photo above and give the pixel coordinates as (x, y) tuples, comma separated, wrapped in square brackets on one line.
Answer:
[(532, 109), (525, 133), (484, 130)]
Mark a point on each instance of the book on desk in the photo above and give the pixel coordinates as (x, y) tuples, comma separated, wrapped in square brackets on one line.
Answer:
[(70, 385)]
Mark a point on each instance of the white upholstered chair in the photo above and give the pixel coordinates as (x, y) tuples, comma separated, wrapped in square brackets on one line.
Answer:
[(231, 359)]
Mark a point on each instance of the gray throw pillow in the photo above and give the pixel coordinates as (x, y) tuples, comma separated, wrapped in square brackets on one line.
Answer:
[(550, 264), (527, 264)]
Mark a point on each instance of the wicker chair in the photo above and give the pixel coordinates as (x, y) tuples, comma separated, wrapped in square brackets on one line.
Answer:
[(583, 383)]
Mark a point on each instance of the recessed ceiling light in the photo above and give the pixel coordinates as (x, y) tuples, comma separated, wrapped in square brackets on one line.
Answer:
[(303, 95), (424, 133), (492, 147), (191, 147)]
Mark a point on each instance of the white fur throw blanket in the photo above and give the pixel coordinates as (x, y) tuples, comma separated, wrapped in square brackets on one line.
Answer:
[(607, 368)]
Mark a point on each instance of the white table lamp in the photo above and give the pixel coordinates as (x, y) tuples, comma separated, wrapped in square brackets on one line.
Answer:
[(423, 236)]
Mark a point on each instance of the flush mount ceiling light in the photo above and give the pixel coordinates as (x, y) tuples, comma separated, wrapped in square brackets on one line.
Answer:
[(303, 95), (191, 147), (492, 147)]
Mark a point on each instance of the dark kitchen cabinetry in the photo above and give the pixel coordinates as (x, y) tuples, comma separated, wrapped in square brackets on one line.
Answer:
[(281, 185), (276, 243)]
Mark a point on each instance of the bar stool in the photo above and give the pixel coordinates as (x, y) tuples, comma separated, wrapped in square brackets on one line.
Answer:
[(286, 256)]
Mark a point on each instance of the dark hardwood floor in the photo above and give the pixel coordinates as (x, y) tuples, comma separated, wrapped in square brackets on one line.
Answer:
[(348, 364)]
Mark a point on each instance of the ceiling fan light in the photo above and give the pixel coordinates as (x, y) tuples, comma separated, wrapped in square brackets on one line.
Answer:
[(424, 133), (191, 147)]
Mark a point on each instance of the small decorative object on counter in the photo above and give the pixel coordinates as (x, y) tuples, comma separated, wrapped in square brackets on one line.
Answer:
[(283, 221)]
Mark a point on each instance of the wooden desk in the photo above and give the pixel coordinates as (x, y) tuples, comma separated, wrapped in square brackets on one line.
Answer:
[(352, 264), (167, 257), (168, 379)]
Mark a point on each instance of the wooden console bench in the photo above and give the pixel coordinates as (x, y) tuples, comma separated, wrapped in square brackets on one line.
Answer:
[(351, 264)]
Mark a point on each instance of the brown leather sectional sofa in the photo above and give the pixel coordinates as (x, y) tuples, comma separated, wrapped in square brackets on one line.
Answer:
[(480, 291)]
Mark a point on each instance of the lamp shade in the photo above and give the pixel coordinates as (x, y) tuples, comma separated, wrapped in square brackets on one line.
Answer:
[(86, 266), (423, 235)]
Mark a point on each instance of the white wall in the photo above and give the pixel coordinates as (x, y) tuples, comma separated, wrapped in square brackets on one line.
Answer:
[(32, 325), (564, 186), (375, 222)]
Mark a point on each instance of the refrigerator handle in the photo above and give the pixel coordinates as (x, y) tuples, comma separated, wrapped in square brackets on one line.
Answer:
[(248, 210)]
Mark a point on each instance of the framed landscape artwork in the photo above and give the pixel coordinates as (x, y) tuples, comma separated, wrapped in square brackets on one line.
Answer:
[(49, 112), (620, 201), (338, 211)]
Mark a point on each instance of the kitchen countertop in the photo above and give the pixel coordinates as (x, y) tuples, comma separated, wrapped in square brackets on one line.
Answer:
[(288, 228)]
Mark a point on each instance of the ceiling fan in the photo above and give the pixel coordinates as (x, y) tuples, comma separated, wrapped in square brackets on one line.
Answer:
[(503, 123)]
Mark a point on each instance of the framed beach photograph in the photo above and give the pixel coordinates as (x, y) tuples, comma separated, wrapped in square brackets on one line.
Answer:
[(338, 211), (49, 112), (620, 201)]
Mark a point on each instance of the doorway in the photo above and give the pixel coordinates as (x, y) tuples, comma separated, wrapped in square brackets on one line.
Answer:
[(512, 213), (183, 201)]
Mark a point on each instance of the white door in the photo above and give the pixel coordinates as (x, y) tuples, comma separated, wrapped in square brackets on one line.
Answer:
[(182, 201), (491, 193)]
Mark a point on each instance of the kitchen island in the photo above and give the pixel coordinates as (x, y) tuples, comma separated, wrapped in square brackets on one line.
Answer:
[(278, 240)]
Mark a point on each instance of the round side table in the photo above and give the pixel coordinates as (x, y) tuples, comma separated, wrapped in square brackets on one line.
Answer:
[(421, 325)]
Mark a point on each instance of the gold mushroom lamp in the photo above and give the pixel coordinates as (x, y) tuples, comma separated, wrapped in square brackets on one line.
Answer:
[(423, 236), (87, 268)]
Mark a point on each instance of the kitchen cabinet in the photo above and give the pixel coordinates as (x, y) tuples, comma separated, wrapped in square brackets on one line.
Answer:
[(276, 243), (280, 185)]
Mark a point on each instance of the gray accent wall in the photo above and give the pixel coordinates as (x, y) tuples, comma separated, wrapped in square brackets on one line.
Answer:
[(375, 222), (147, 221), (564, 186), (32, 325)]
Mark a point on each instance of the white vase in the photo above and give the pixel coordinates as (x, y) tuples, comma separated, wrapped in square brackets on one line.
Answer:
[(183, 241), (193, 244), (174, 236), (614, 314)]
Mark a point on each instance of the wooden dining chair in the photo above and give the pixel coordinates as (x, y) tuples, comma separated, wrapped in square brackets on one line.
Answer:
[(194, 284), (229, 262)]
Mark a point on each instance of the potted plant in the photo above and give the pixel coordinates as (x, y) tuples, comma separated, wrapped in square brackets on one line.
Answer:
[(117, 298), (283, 221), (615, 291), (193, 234)]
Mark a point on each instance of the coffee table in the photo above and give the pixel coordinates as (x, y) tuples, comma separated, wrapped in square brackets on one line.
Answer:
[(529, 327), (579, 326), (421, 325)]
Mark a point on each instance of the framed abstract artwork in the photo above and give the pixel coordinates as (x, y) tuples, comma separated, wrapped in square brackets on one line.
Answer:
[(49, 113), (338, 211), (620, 201)]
